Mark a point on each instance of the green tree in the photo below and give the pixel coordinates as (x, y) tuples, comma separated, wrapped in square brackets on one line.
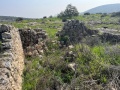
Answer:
[(69, 12), (19, 19)]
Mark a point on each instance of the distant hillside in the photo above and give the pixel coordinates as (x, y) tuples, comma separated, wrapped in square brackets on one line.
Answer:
[(9, 18), (109, 8)]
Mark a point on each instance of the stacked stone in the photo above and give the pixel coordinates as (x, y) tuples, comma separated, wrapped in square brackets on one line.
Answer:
[(33, 41), (11, 59), (74, 30), (5, 62)]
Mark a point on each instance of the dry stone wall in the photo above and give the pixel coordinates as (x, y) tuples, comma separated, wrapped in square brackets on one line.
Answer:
[(74, 31), (33, 41), (11, 59), (110, 35)]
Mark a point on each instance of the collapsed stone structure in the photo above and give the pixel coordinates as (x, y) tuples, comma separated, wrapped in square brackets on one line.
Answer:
[(110, 35), (11, 59), (74, 31), (33, 41), (15, 43)]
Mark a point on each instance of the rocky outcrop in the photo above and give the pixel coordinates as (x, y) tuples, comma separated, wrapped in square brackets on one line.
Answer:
[(11, 59), (33, 41)]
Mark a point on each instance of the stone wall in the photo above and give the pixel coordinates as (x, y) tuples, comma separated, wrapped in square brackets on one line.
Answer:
[(74, 31), (33, 41), (11, 59), (111, 35)]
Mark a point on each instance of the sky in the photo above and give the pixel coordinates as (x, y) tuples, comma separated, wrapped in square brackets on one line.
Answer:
[(40, 8)]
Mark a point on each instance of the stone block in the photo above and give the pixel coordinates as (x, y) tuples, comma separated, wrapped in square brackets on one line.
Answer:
[(6, 35)]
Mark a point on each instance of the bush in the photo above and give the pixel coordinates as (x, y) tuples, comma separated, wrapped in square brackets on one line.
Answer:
[(19, 19), (118, 20), (51, 16), (64, 20), (87, 13), (44, 17), (104, 14), (115, 14), (92, 41)]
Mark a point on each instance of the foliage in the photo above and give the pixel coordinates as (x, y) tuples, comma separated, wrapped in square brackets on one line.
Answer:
[(44, 17), (115, 14), (92, 57), (69, 12), (64, 20), (19, 19), (87, 13)]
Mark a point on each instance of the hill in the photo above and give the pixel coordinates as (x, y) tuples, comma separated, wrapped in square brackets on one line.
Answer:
[(109, 8)]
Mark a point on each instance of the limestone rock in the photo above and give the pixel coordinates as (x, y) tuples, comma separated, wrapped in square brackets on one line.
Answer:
[(33, 41), (6, 45), (11, 59), (73, 31), (72, 66), (6, 35)]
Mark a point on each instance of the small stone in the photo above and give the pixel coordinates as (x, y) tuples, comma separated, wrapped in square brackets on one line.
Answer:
[(6, 45), (29, 53), (72, 66), (40, 52), (6, 35), (70, 46), (71, 52), (40, 56)]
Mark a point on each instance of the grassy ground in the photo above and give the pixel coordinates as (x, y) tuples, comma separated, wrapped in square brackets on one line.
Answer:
[(51, 71)]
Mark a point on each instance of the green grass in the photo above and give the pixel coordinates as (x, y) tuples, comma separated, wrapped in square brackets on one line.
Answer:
[(91, 60)]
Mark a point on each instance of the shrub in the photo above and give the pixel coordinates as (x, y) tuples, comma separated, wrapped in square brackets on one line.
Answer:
[(104, 14), (51, 16), (64, 20), (19, 19), (115, 14), (87, 13), (92, 41), (44, 17)]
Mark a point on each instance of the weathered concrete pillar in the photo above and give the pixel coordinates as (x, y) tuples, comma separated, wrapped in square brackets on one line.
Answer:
[(11, 59)]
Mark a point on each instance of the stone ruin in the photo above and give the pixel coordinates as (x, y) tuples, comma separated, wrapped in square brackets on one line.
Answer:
[(74, 31), (111, 35), (11, 59), (33, 41), (15, 44)]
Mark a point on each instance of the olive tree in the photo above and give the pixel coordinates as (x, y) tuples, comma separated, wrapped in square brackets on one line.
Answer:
[(69, 12)]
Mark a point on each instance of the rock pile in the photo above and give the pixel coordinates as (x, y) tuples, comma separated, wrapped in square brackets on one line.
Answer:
[(73, 32), (33, 41), (11, 59), (113, 38)]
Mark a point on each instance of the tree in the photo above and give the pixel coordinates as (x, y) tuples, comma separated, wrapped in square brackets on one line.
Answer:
[(19, 19), (44, 17), (69, 12), (87, 13)]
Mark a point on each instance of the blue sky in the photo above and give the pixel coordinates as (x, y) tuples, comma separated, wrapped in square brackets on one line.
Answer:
[(40, 8)]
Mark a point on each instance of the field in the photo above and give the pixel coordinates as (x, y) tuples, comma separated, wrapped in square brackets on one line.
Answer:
[(95, 62)]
